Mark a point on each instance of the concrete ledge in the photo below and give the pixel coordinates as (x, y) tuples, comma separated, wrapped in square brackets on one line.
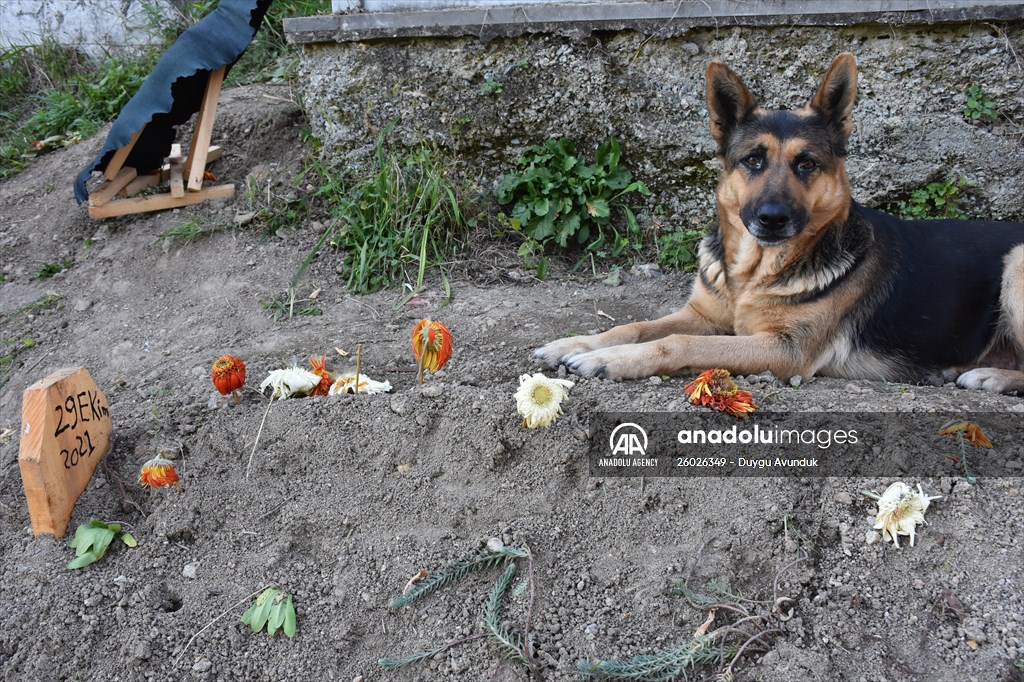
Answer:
[(664, 18)]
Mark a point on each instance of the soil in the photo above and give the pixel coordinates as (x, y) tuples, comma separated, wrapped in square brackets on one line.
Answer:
[(351, 496)]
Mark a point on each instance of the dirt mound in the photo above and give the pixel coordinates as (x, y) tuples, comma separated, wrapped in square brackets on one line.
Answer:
[(349, 497)]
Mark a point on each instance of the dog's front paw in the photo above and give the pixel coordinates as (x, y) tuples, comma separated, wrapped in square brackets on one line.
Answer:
[(614, 362), (992, 380), (561, 351)]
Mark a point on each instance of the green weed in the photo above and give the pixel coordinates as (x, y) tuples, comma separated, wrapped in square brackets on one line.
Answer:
[(979, 108), (678, 249), (558, 197), (491, 87), (939, 199), (50, 269), (393, 219)]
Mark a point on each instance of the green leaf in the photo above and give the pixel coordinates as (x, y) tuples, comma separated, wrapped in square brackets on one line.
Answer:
[(598, 208), (276, 617), (541, 206), (84, 560), (289, 618), (129, 540)]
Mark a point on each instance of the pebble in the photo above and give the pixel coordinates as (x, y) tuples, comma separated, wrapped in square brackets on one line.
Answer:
[(495, 545), (202, 666), (82, 305), (871, 537), (844, 498), (94, 600), (432, 390), (190, 571), (614, 279), (796, 380)]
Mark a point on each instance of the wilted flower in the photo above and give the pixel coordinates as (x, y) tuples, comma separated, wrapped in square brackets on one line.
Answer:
[(972, 433), (539, 399), (157, 473), (229, 375), (715, 388), (346, 383), (900, 511), (320, 369), (290, 382), (432, 345)]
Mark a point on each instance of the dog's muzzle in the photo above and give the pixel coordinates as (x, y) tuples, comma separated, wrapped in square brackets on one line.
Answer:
[(773, 222)]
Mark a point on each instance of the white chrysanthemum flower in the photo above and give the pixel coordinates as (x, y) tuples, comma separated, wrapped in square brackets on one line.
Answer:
[(345, 383), (539, 399), (290, 382), (900, 510)]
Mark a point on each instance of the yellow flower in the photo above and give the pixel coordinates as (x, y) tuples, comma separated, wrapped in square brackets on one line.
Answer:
[(289, 382), (900, 511), (157, 473), (539, 399), (345, 383)]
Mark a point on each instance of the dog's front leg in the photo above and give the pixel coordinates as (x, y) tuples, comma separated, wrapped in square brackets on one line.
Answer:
[(688, 320), (677, 353)]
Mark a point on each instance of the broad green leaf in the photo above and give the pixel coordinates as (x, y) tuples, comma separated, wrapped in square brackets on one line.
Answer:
[(83, 560), (276, 617), (259, 619), (129, 540), (598, 208), (540, 207), (631, 223), (289, 618)]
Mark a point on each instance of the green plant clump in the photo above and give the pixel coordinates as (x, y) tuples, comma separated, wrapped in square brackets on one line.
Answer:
[(979, 108), (557, 196), (273, 609), (939, 199), (92, 540), (678, 249), (400, 213)]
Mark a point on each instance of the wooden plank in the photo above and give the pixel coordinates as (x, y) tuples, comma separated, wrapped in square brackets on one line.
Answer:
[(65, 431), (159, 202), (176, 181), (204, 131), (109, 189), (153, 179), (119, 157)]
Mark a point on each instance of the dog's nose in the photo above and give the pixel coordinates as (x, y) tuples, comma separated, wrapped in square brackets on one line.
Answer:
[(773, 215)]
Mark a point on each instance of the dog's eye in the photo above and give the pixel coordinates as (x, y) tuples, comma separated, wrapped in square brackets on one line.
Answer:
[(806, 166), (753, 161)]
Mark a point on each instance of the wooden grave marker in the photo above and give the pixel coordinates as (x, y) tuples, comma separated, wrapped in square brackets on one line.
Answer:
[(65, 431)]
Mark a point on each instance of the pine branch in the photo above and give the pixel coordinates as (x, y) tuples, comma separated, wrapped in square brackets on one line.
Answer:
[(476, 561), (510, 644), (423, 655), (659, 667)]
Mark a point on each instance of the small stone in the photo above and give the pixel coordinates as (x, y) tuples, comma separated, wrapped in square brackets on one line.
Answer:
[(614, 279), (432, 390), (244, 218), (655, 381), (82, 305), (844, 498), (495, 545), (202, 666), (94, 600), (796, 380), (917, 584), (871, 537), (190, 571)]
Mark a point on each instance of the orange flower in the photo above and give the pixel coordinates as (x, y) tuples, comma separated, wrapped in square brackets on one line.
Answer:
[(432, 345), (716, 389), (229, 375), (972, 433), (157, 473), (319, 365)]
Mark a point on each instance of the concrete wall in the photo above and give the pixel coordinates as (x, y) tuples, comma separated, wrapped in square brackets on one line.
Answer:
[(96, 26), (647, 88)]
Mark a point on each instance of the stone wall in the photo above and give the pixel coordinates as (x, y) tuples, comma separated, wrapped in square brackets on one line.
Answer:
[(96, 26), (648, 90)]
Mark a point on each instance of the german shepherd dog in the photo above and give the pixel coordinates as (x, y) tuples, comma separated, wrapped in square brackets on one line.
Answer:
[(799, 279)]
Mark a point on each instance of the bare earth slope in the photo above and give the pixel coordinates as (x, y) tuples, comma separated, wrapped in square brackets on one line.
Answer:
[(350, 497)]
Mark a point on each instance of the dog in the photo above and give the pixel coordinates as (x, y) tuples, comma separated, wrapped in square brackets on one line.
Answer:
[(799, 279)]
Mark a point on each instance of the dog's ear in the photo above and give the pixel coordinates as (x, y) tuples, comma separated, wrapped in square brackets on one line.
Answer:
[(729, 101), (836, 94)]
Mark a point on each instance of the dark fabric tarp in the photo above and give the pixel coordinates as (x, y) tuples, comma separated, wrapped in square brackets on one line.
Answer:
[(174, 90)]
